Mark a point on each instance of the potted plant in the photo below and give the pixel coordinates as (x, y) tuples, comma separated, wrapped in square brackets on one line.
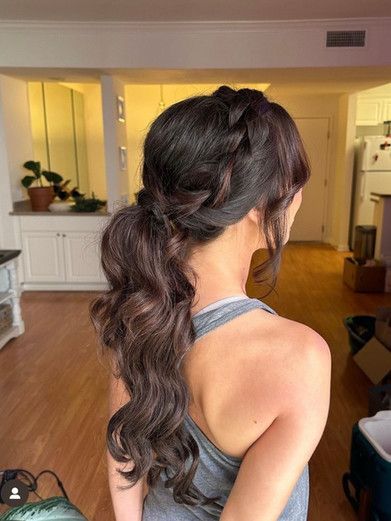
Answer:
[(63, 195), (87, 204), (40, 196)]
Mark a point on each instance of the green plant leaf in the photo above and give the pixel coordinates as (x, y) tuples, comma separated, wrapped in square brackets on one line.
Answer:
[(75, 193), (28, 180), (34, 166), (63, 195), (87, 204), (52, 177)]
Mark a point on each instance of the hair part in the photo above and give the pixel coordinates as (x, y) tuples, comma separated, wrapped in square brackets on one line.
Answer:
[(207, 161)]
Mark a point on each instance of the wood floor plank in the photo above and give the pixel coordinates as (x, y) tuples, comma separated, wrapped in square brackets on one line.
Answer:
[(53, 386)]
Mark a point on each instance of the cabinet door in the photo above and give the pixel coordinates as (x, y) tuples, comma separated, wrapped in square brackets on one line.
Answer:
[(369, 111), (82, 262), (43, 257), (387, 110)]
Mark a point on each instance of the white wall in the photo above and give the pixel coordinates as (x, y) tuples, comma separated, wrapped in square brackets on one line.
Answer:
[(344, 170), (184, 45), (18, 137), (16, 147)]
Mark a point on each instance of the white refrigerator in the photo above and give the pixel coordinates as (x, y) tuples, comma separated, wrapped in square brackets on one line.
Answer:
[(372, 173)]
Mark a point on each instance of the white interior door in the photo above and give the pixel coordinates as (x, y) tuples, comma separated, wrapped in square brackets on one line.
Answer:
[(309, 221)]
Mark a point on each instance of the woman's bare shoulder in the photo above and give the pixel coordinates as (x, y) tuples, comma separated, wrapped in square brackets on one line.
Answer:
[(289, 333), (285, 354), (273, 356), (286, 346)]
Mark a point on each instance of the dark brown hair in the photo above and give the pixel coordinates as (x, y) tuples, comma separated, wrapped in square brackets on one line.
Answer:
[(208, 160)]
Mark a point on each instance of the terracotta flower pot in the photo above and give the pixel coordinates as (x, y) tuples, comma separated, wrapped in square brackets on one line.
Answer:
[(40, 197)]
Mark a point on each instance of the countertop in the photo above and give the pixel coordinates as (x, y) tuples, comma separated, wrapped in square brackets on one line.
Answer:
[(24, 208), (6, 255)]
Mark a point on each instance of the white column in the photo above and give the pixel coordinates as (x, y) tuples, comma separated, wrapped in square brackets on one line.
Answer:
[(16, 147), (114, 135)]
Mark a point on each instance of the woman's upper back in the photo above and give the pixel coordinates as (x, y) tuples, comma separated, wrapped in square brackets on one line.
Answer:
[(242, 350), (214, 427)]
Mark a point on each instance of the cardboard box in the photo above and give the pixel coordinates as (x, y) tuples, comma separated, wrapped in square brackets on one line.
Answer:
[(364, 278), (374, 359)]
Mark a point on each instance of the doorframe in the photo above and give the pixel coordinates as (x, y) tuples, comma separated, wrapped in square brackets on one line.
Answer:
[(328, 168)]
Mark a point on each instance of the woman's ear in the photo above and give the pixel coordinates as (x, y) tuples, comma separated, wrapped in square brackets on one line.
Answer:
[(255, 218), (254, 215)]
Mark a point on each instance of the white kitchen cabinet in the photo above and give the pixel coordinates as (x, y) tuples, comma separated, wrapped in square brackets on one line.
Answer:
[(372, 111), (61, 252), (43, 256), (81, 257), (387, 110)]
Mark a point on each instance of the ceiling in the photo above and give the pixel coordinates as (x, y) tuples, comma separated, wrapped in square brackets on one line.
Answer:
[(320, 80), (176, 10)]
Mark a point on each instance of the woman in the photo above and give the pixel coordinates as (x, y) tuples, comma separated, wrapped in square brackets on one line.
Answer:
[(217, 402)]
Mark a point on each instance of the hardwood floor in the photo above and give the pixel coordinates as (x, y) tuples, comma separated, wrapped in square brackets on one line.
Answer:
[(53, 387)]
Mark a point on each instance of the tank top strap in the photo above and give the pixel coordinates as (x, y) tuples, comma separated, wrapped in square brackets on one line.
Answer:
[(224, 310)]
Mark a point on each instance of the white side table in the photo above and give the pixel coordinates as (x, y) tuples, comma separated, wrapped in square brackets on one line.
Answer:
[(10, 293)]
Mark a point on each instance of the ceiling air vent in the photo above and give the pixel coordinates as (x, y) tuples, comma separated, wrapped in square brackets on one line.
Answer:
[(345, 39)]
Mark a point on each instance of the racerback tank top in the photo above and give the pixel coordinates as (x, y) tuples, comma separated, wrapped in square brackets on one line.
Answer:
[(216, 471)]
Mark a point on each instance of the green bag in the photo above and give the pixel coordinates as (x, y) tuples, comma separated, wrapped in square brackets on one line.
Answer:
[(54, 508)]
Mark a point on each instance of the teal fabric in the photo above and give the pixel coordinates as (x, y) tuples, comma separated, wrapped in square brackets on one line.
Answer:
[(217, 471), (54, 509)]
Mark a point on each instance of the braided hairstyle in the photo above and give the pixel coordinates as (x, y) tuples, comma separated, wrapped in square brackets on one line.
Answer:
[(208, 160)]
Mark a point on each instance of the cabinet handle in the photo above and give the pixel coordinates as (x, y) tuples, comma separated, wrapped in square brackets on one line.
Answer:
[(64, 235)]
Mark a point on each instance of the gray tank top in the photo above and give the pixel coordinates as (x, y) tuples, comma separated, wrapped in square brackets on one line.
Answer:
[(216, 471)]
